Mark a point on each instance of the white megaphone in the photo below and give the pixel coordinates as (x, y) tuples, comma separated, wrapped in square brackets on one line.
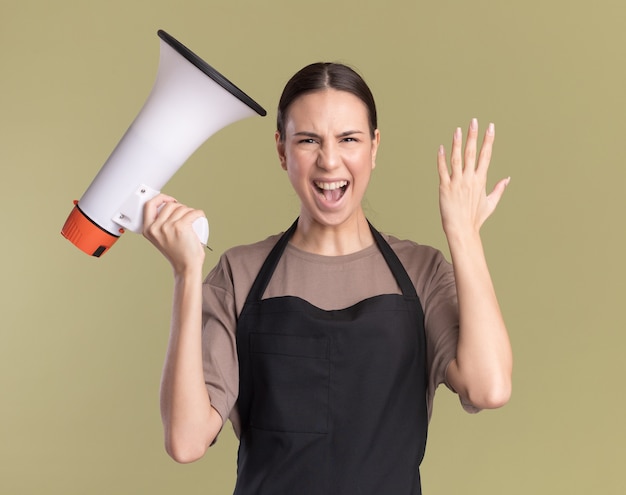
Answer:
[(189, 102)]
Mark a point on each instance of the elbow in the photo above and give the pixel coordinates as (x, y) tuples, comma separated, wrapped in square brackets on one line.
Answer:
[(492, 397), (184, 453), (490, 389), (495, 400), (183, 457), (187, 441)]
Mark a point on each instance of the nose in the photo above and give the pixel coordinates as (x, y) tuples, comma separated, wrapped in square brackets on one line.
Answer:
[(329, 157)]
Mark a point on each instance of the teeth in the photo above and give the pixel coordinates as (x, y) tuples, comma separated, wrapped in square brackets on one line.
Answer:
[(330, 186)]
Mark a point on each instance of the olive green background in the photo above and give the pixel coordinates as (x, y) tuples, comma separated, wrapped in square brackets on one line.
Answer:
[(82, 339)]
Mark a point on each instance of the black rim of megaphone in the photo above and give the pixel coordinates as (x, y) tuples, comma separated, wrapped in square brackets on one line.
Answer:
[(211, 72)]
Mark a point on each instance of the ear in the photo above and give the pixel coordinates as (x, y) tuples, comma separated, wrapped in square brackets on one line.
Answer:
[(280, 149), (375, 143)]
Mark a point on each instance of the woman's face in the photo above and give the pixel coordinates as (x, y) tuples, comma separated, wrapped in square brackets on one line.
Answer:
[(329, 154)]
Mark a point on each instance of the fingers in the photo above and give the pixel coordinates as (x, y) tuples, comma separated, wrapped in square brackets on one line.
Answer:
[(465, 160), (470, 147), (486, 149), (153, 207), (164, 210), (442, 166), (456, 159)]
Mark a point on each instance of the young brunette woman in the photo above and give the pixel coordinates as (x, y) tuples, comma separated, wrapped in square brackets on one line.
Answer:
[(324, 344)]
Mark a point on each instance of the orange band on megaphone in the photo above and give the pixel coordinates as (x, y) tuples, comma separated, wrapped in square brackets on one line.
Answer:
[(86, 235)]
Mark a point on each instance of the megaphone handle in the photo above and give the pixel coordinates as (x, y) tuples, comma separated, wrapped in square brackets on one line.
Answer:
[(130, 215), (200, 227)]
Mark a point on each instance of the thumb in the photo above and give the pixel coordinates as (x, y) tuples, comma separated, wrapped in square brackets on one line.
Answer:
[(497, 192)]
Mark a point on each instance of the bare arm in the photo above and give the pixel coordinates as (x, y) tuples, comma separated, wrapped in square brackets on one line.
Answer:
[(481, 372), (190, 423)]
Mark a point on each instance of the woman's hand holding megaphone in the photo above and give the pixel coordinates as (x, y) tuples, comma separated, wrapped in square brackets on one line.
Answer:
[(169, 225)]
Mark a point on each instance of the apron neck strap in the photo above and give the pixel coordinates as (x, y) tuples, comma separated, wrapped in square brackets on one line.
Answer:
[(265, 274), (395, 265)]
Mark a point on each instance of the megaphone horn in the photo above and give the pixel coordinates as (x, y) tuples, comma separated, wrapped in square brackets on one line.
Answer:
[(189, 102)]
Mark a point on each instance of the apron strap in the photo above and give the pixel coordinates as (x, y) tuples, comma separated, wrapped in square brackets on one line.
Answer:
[(265, 274), (400, 274)]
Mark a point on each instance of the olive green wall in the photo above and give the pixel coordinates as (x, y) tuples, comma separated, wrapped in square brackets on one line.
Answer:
[(82, 339)]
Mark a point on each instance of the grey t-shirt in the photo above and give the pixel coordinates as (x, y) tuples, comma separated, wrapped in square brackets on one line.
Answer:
[(328, 282)]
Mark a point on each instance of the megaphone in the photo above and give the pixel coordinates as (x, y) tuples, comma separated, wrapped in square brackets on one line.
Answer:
[(188, 103)]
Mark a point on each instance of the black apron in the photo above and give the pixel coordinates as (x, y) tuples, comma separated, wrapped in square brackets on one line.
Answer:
[(331, 402)]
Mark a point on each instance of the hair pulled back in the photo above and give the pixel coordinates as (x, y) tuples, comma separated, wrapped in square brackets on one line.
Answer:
[(325, 75)]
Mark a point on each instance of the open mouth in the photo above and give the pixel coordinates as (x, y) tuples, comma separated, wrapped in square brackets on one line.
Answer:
[(332, 191)]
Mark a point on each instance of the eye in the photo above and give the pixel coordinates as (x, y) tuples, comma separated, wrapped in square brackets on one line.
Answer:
[(350, 139), (307, 141)]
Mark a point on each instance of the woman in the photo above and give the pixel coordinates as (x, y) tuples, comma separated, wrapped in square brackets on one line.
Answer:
[(324, 345)]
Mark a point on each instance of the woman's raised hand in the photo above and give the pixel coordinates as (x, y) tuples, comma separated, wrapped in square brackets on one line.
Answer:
[(463, 201), (169, 226)]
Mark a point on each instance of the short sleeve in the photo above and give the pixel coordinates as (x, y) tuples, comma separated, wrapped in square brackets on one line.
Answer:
[(433, 277), (219, 348), (441, 314)]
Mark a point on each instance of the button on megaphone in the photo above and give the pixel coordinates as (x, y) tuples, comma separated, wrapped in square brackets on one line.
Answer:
[(189, 102)]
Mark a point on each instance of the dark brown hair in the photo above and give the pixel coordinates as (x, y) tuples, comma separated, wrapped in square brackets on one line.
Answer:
[(325, 75)]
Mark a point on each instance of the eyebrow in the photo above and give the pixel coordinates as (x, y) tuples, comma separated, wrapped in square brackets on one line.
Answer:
[(314, 135)]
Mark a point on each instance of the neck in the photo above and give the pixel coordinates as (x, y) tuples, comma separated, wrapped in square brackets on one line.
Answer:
[(348, 237)]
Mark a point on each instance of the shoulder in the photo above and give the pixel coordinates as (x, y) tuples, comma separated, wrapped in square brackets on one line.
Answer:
[(238, 267), (251, 253), (412, 253), (247, 257), (427, 267)]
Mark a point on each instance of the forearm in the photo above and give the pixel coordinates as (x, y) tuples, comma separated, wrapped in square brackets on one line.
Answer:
[(483, 366), (190, 423)]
